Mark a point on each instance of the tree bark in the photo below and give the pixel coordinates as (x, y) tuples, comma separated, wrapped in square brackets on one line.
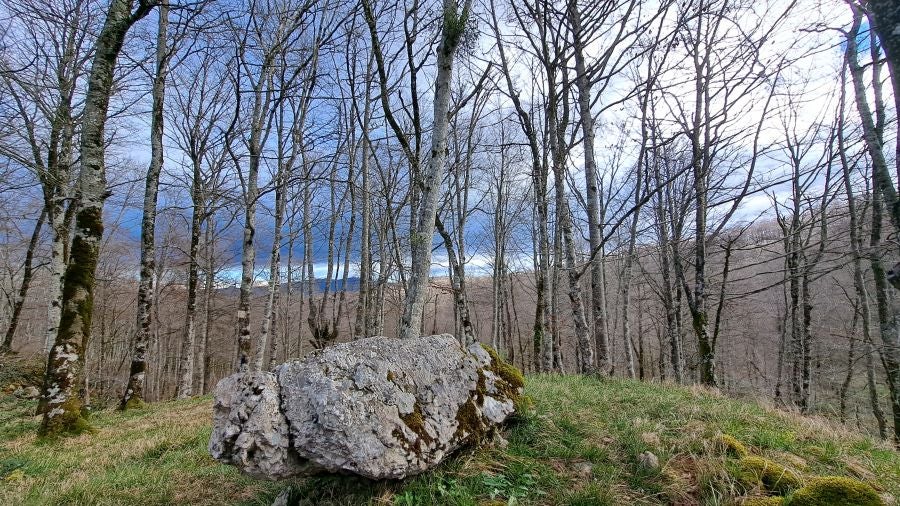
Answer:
[(595, 227), (134, 389), (27, 274), (454, 24), (885, 195), (64, 365), (186, 367)]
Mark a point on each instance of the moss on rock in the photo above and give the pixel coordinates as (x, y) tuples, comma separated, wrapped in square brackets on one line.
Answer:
[(732, 446), (416, 423), (772, 476), (763, 501), (512, 381), (468, 421), (828, 490)]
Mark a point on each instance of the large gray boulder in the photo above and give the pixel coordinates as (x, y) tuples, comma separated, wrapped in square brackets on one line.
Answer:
[(378, 407)]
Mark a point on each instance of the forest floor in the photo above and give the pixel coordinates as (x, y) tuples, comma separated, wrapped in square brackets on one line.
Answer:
[(580, 444)]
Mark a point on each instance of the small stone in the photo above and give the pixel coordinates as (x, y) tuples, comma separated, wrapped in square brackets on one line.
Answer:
[(31, 392), (649, 460), (584, 469), (284, 498)]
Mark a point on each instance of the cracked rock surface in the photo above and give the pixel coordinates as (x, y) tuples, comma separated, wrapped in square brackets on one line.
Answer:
[(378, 407)]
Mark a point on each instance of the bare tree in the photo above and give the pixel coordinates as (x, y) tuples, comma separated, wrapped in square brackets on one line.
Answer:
[(43, 83), (884, 195), (134, 390), (63, 412), (28, 268)]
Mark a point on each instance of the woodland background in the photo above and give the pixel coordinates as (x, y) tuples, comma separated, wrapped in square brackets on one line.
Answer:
[(669, 190)]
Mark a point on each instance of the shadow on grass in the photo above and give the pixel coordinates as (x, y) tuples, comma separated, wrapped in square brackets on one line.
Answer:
[(331, 490)]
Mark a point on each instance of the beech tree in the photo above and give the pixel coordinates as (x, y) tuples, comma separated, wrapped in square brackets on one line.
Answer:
[(63, 404), (134, 390), (872, 120), (454, 21)]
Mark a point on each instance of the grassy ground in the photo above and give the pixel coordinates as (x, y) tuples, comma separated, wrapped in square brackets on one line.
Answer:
[(580, 444)]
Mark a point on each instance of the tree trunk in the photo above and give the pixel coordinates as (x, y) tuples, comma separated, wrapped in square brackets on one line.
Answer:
[(454, 24), (885, 19), (27, 274), (186, 367), (364, 325), (208, 291), (885, 194), (274, 268), (64, 365), (134, 389), (595, 227), (458, 282)]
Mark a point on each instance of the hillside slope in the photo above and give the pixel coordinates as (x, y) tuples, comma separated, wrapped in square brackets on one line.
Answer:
[(581, 443)]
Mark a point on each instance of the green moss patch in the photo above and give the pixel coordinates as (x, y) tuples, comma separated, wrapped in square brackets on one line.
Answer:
[(732, 446), (772, 476), (416, 423), (828, 490), (71, 422), (763, 501), (512, 381)]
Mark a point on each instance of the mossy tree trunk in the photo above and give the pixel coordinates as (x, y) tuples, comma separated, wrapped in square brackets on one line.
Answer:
[(884, 16), (64, 366), (885, 196)]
